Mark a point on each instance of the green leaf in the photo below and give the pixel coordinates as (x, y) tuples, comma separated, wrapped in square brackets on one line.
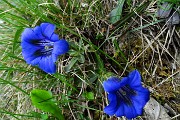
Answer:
[(115, 14), (44, 100), (171, 1), (71, 63), (100, 63), (44, 116), (81, 58), (16, 37), (89, 95)]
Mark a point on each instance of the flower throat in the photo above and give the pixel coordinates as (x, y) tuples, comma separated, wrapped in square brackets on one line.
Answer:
[(124, 94)]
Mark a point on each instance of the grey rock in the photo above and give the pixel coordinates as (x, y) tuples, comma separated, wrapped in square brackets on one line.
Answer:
[(164, 10), (174, 19)]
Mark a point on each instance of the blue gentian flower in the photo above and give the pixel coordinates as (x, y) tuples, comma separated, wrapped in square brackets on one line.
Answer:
[(127, 96), (41, 47)]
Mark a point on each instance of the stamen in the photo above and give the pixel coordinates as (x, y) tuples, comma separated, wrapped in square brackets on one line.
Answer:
[(47, 47), (43, 42), (45, 52), (129, 90), (124, 98), (124, 94)]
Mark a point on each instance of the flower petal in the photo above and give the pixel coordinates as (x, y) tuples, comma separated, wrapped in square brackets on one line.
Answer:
[(29, 58), (28, 51), (54, 37), (29, 35), (134, 79), (140, 100), (130, 112), (60, 47), (28, 46), (111, 108), (47, 29), (47, 65), (54, 57), (37, 30), (120, 110), (113, 84)]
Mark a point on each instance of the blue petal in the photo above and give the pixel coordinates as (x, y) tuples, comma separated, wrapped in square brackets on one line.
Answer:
[(120, 110), (113, 84), (30, 48), (27, 45), (54, 57), (47, 29), (47, 65), (60, 47), (134, 79), (28, 57), (136, 109), (28, 51), (37, 30), (31, 59), (130, 112), (140, 100), (112, 107), (29, 35), (36, 61), (54, 37)]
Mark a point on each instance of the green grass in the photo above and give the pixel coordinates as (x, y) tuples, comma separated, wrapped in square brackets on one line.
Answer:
[(98, 49)]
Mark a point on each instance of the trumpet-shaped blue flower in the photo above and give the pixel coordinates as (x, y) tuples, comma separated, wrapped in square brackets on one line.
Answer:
[(41, 47), (127, 96)]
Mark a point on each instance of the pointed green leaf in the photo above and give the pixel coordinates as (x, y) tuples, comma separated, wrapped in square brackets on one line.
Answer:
[(16, 37), (81, 58), (44, 100), (71, 63)]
